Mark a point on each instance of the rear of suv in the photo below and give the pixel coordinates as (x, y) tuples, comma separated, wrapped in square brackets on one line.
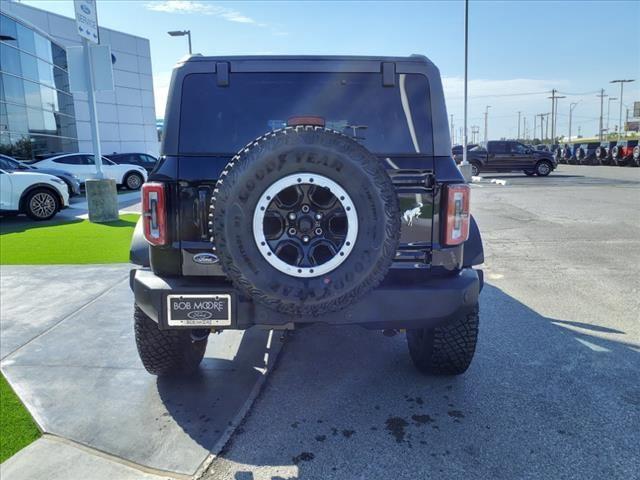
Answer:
[(626, 153), (586, 153), (603, 152), (300, 190)]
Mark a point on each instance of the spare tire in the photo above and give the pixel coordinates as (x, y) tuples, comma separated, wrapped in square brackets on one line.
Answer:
[(305, 220), (600, 153), (615, 152)]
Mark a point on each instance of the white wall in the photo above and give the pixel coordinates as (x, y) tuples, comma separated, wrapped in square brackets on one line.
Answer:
[(126, 116)]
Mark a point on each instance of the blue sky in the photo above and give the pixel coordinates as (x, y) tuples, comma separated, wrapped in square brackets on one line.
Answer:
[(515, 47)]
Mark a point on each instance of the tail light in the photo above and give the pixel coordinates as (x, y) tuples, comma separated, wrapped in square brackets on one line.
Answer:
[(154, 213), (456, 221), (306, 120)]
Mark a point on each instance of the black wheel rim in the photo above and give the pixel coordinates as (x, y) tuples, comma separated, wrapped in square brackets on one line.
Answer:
[(305, 225)]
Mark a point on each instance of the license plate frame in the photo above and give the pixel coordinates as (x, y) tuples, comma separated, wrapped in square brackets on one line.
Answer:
[(200, 310)]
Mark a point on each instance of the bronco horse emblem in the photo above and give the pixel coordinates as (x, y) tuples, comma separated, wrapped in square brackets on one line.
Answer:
[(410, 214)]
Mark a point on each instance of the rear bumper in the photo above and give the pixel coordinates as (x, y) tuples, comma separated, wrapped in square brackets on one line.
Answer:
[(397, 303)]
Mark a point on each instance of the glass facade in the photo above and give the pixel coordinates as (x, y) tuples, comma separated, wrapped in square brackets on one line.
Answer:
[(36, 108)]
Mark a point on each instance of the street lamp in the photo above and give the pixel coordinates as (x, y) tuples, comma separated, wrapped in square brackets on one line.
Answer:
[(571, 107), (609, 100), (182, 33), (621, 82), (466, 170)]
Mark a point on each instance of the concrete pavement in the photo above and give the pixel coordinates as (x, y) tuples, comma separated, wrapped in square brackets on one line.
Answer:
[(77, 370), (552, 393)]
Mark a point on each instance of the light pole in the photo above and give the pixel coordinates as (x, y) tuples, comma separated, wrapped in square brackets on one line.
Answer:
[(609, 100), (571, 107), (621, 82), (486, 124), (466, 78), (601, 96), (453, 132), (519, 126), (181, 33)]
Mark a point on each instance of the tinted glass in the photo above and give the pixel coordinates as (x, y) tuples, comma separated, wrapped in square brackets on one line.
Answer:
[(10, 59), (518, 148), (6, 165), (223, 119), (36, 108), (26, 39), (8, 30), (498, 147), (70, 160)]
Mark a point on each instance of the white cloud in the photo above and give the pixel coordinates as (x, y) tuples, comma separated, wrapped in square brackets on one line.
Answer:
[(196, 7)]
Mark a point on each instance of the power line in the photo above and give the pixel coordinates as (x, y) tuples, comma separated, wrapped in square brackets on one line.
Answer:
[(497, 95), (579, 94)]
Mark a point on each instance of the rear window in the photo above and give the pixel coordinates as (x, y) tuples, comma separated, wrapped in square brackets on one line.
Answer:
[(386, 120)]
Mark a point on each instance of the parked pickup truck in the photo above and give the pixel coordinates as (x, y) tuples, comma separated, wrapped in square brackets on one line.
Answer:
[(509, 156)]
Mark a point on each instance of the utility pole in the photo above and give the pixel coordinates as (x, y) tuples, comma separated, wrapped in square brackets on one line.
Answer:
[(535, 124), (553, 109), (609, 100), (486, 124), (453, 132), (602, 95), (621, 82), (519, 126), (541, 115), (555, 120), (626, 122), (571, 107), (524, 129)]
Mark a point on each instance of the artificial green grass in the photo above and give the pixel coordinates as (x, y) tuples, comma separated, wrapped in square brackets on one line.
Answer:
[(17, 428), (65, 242)]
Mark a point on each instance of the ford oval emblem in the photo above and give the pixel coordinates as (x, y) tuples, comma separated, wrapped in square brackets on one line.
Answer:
[(205, 258), (199, 315)]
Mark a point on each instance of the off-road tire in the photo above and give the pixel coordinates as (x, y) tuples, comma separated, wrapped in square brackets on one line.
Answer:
[(133, 181), (475, 169), (541, 171), (283, 153), (166, 352), (635, 156), (616, 156), (448, 349)]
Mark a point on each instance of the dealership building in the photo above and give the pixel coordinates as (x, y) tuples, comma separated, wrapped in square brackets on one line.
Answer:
[(38, 113)]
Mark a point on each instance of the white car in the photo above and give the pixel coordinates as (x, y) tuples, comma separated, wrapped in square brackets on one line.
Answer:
[(83, 166), (38, 195)]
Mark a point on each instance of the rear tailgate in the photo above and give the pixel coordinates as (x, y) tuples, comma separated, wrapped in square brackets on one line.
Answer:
[(197, 178)]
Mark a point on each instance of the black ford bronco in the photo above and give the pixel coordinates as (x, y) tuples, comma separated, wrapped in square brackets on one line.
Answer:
[(299, 190)]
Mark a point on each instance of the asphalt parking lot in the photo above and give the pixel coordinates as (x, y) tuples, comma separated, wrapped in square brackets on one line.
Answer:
[(554, 390)]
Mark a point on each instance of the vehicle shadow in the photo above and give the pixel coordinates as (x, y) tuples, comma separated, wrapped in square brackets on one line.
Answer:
[(516, 175), (21, 223), (208, 404), (543, 398), (18, 224)]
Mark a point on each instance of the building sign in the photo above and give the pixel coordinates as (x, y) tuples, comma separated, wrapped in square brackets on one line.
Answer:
[(633, 126), (101, 65), (87, 19)]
